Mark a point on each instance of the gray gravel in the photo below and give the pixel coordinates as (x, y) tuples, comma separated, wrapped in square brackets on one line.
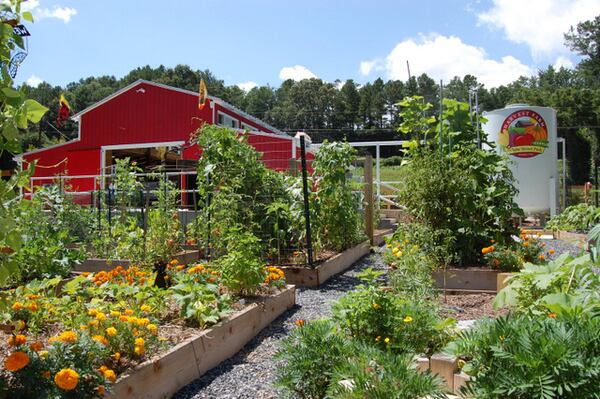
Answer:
[(249, 374)]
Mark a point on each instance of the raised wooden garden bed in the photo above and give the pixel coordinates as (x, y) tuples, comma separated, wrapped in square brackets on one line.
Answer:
[(313, 277), (574, 238), (164, 375), (467, 280), (95, 265), (447, 368)]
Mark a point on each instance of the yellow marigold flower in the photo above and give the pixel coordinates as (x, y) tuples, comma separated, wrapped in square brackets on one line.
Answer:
[(139, 350), (92, 312), (93, 323), (376, 306), (395, 250), (16, 340), (16, 361), (145, 308), (68, 337), (174, 262), (17, 306), (103, 368), (117, 356), (143, 322), (388, 245), (152, 328), (100, 316), (111, 331), (83, 327), (399, 254), (115, 313), (386, 340), (140, 341), (408, 319), (66, 379), (43, 354), (101, 339), (110, 375), (128, 312)]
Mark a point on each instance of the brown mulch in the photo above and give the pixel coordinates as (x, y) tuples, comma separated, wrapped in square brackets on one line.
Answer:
[(470, 306)]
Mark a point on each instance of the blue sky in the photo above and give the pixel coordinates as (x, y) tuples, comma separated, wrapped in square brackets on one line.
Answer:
[(251, 42)]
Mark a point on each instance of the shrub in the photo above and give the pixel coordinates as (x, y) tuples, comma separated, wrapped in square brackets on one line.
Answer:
[(384, 319), (521, 356), (309, 356), (373, 373)]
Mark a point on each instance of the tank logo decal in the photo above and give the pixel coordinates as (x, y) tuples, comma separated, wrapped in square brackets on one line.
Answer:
[(524, 134)]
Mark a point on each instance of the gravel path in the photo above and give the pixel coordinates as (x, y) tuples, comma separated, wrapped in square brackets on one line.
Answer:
[(249, 374)]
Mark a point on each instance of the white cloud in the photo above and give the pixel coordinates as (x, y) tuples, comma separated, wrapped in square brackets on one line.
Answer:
[(33, 81), (443, 57), (247, 86), (297, 72), (30, 5), (366, 67), (562, 61), (63, 13), (540, 24)]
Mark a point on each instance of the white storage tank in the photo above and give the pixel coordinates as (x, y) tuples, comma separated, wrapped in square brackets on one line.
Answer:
[(528, 135)]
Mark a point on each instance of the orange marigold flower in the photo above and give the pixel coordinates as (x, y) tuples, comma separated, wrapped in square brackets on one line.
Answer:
[(140, 342), (139, 350), (16, 361), (101, 339), (33, 306), (101, 390), (117, 356), (110, 375), (17, 306), (552, 315), (66, 379), (36, 346), (67, 337), (46, 374), (16, 340), (128, 312), (525, 243), (542, 258), (551, 251), (300, 322)]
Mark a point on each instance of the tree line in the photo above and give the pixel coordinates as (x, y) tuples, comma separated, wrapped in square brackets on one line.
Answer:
[(346, 109)]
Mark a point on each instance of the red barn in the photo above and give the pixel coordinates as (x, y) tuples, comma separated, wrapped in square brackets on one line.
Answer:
[(144, 119)]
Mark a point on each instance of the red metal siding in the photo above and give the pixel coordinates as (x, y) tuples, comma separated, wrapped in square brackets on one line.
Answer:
[(154, 115)]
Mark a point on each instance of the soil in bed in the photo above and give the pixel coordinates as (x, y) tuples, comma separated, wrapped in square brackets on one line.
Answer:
[(470, 306)]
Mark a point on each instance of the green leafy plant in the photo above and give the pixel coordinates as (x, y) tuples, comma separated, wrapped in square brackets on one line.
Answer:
[(575, 218), (309, 355), (372, 373), (201, 304), (382, 318), (523, 356), (564, 285), (338, 223), (241, 267)]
